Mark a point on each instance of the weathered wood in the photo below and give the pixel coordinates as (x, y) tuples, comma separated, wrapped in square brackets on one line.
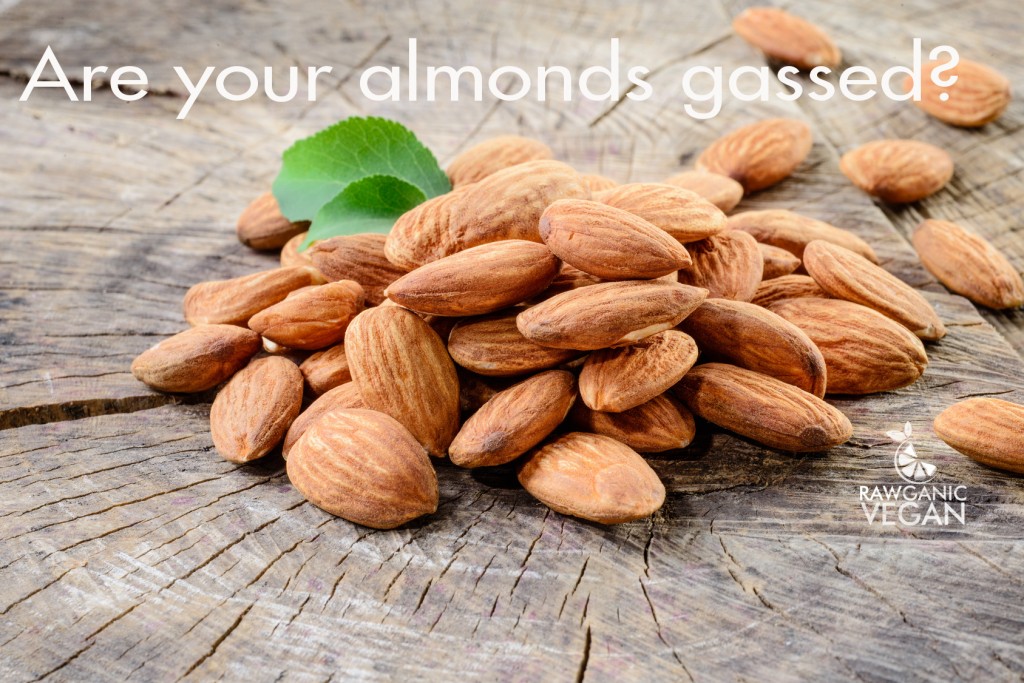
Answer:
[(131, 550)]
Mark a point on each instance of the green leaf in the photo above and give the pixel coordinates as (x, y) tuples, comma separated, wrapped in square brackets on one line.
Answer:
[(368, 205), (318, 168)]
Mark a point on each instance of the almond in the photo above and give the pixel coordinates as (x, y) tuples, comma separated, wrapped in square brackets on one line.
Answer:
[(423, 234), (787, 38), (402, 368), (311, 318), (569, 277), (684, 215), (261, 225), (326, 369), (864, 351), (234, 301), (290, 254), (480, 280), (846, 275), (197, 359), (757, 339), (898, 171), (661, 424), (592, 477), (614, 380), (492, 345), (763, 408), (729, 266), (787, 287), (496, 154), (777, 261), (979, 96), (720, 190), (365, 467), (515, 420), (357, 257), (597, 183), (759, 155), (608, 314), (342, 396), (609, 243), (253, 411), (793, 232), (968, 264), (988, 430)]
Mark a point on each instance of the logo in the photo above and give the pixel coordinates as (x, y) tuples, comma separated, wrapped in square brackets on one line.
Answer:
[(916, 501)]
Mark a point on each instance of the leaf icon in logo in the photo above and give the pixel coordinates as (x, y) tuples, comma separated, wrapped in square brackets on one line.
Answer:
[(908, 430), (897, 437)]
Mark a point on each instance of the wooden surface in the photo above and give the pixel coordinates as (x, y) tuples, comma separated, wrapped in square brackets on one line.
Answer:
[(131, 551)]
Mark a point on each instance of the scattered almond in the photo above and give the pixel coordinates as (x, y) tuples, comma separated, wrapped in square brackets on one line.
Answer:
[(759, 155), (720, 190), (261, 225), (661, 424), (342, 396), (357, 257), (793, 232), (493, 345), (777, 261), (729, 266), (989, 430), (684, 215), (311, 318), (327, 369), (496, 154), (234, 301), (898, 171), (980, 94), (197, 359), (786, 37)]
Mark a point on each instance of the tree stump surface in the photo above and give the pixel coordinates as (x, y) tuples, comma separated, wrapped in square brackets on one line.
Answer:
[(131, 551)]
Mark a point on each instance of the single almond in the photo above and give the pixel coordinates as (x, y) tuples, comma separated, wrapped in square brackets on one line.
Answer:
[(777, 261), (496, 154), (234, 301), (787, 38), (357, 257), (514, 420), (342, 396), (754, 338), (684, 215), (197, 359), (290, 254), (492, 345), (402, 369), (326, 369), (846, 275), (787, 287), (898, 171), (614, 380), (423, 233), (729, 266), (763, 409), (253, 411), (980, 94), (592, 477), (661, 424), (793, 232), (480, 280), (989, 430), (597, 183), (759, 155), (720, 190), (608, 314), (365, 467), (968, 264), (609, 243), (261, 225), (864, 351), (311, 318)]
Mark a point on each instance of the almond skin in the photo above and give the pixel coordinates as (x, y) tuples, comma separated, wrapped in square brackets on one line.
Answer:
[(729, 266), (423, 233), (968, 264), (357, 257), (569, 277), (864, 351), (979, 96), (597, 183), (759, 155), (480, 280), (793, 232), (777, 261), (898, 171), (363, 466), (609, 243), (757, 339), (197, 359), (763, 409), (988, 430), (614, 380), (253, 411), (720, 190), (846, 275), (492, 345), (402, 368), (684, 215), (496, 154), (592, 477), (326, 369), (234, 301), (515, 420), (661, 424), (342, 396), (787, 287), (290, 254), (608, 314), (261, 225), (787, 38), (310, 318)]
